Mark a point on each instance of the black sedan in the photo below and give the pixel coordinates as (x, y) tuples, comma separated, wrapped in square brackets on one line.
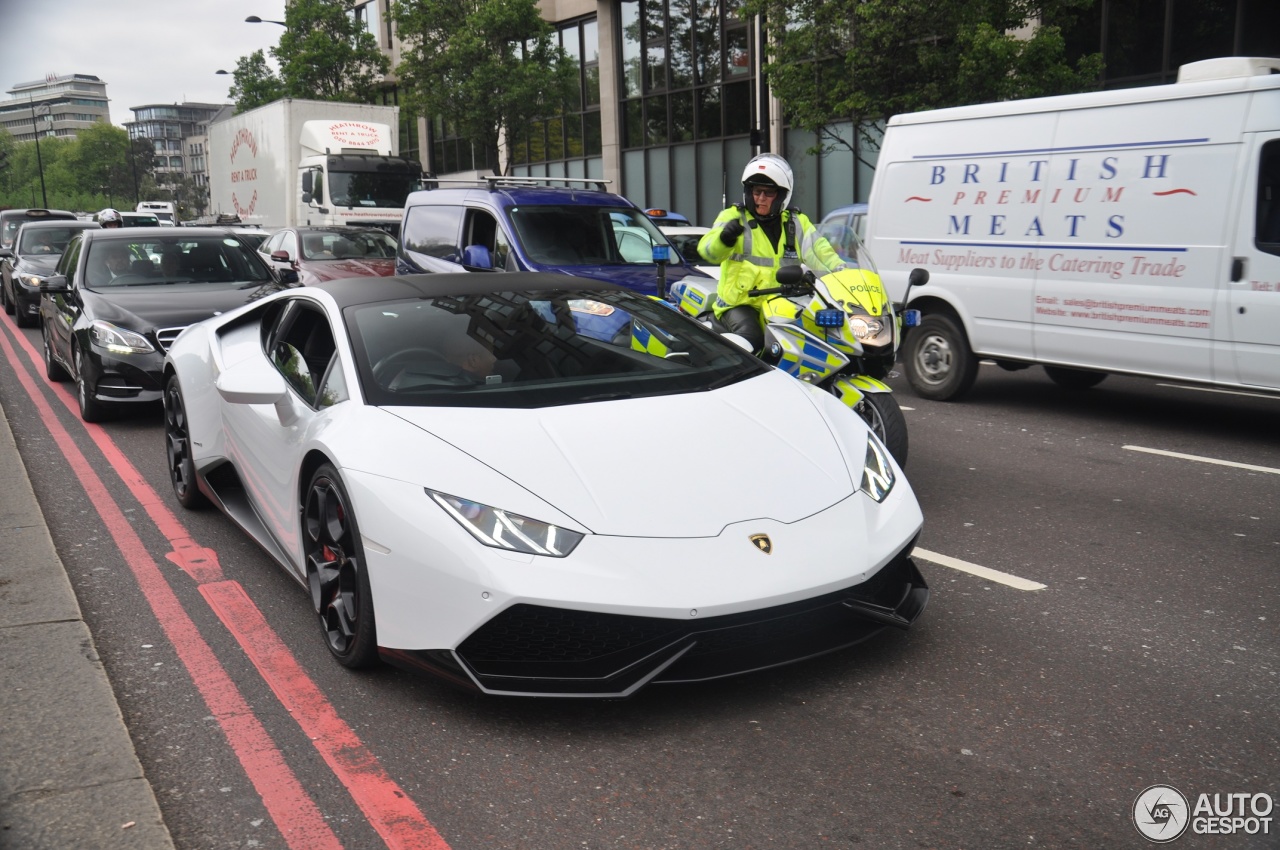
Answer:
[(37, 247), (119, 298)]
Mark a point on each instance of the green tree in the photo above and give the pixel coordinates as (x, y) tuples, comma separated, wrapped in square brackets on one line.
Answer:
[(326, 53), (254, 83), (488, 68), (835, 62)]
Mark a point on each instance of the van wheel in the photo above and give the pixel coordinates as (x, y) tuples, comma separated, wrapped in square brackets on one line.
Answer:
[(1074, 379), (937, 359)]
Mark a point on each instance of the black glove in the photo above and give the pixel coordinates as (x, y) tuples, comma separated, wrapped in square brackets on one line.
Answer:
[(730, 232)]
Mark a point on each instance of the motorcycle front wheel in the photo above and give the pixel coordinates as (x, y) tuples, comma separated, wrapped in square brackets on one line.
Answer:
[(884, 417)]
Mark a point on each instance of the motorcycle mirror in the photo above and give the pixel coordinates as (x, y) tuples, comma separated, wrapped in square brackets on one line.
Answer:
[(740, 341), (918, 277)]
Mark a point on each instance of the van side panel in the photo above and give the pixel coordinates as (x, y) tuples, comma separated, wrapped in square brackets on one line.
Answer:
[(1137, 205), (959, 198), (1095, 231)]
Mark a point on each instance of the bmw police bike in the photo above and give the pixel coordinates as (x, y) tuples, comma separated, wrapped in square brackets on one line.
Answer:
[(832, 326)]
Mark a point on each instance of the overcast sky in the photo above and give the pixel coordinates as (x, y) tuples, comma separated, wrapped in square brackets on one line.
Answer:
[(146, 51)]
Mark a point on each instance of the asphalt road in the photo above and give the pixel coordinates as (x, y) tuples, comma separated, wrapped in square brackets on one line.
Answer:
[(1007, 717)]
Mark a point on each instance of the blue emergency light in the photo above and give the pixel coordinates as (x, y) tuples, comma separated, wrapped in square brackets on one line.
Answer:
[(662, 253), (829, 318)]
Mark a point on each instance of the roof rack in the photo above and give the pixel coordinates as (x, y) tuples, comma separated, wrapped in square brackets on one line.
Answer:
[(499, 181)]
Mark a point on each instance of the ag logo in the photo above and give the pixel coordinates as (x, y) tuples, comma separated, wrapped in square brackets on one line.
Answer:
[(763, 543), (1161, 813)]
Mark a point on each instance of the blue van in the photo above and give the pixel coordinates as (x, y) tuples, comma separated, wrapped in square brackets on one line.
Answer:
[(512, 224)]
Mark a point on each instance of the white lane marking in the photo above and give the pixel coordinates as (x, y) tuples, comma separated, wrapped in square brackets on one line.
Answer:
[(982, 572), (1223, 392), (1213, 460)]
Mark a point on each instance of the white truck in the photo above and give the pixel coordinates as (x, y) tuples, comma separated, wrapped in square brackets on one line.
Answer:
[(1133, 231), (308, 162)]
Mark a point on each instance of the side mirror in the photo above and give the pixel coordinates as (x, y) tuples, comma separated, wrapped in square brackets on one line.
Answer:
[(288, 276), (307, 186), (280, 256), (6, 254), (790, 275), (740, 341), (477, 257), (918, 277), (255, 383), (54, 283)]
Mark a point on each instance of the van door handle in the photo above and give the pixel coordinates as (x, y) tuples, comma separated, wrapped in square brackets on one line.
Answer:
[(1237, 269)]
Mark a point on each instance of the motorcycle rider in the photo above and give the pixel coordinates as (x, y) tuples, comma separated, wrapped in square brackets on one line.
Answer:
[(751, 241)]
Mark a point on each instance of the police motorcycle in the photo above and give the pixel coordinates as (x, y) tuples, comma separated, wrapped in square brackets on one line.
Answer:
[(833, 327)]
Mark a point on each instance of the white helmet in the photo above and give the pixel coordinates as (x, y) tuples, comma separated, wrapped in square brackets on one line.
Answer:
[(767, 169)]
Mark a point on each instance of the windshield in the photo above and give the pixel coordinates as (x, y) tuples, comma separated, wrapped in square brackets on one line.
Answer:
[(536, 349), (152, 261), (580, 235), (831, 247), (371, 189), (347, 245), (47, 241)]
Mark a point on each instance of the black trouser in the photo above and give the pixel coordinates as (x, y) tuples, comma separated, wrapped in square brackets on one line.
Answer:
[(744, 321)]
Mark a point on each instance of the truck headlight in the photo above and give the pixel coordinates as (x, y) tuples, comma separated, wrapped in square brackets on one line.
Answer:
[(118, 340)]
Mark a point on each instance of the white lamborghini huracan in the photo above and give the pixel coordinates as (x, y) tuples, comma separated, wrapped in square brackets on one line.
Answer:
[(475, 475)]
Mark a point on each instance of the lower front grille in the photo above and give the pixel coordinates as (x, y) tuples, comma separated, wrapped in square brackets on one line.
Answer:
[(537, 649)]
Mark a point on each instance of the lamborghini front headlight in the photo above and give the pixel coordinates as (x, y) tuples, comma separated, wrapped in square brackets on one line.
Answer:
[(505, 530), (877, 471)]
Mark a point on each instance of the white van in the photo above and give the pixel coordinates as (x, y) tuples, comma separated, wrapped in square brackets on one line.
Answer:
[(163, 210), (1133, 231)]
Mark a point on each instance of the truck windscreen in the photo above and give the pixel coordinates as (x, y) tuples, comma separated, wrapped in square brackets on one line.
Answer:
[(370, 188)]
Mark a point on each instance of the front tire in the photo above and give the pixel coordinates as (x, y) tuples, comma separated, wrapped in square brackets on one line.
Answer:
[(4, 299), (52, 368), (177, 439), (1074, 379), (938, 361), (884, 417), (336, 571), (91, 410)]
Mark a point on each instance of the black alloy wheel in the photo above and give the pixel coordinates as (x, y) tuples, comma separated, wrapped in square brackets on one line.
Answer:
[(52, 368), (91, 410), (336, 573), (177, 443)]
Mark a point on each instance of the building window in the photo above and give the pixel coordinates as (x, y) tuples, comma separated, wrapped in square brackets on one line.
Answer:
[(673, 89), (574, 134)]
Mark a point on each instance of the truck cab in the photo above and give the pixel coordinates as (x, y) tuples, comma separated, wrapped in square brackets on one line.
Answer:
[(513, 224)]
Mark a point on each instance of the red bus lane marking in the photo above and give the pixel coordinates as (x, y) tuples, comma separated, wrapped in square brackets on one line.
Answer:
[(391, 812), (388, 809), (293, 811)]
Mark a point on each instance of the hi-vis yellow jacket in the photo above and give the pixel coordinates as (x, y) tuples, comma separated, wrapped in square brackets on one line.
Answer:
[(752, 262)]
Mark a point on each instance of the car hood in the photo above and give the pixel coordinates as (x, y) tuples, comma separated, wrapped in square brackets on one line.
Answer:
[(338, 269), (41, 264), (164, 306), (642, 279), (671, 466)]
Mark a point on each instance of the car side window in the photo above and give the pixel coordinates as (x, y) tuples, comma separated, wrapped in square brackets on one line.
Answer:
[(304, 351), (70, 259), (289, 242), (433, 231)]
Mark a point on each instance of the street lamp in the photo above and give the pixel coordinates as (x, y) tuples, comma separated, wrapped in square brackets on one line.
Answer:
[(254, 19)]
